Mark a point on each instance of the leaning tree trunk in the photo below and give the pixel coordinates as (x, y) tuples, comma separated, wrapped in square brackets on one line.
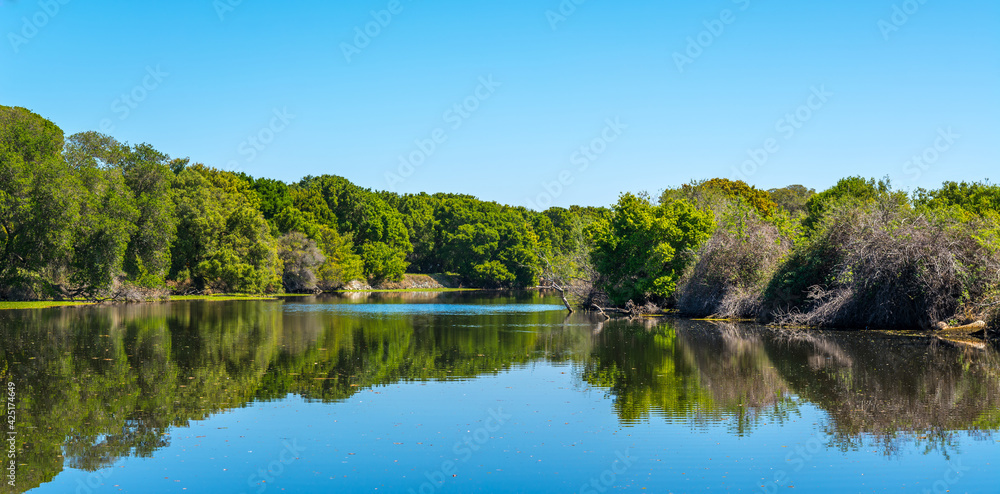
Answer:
[(562, 293)]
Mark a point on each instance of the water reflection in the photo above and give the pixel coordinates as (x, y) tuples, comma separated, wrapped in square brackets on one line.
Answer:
[(883, 390), (98, 384)]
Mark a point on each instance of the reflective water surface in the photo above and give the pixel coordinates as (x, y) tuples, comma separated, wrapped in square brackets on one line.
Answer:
[(480, 392)]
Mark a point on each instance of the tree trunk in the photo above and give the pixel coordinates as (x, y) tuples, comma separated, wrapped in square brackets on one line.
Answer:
[(562, 293)]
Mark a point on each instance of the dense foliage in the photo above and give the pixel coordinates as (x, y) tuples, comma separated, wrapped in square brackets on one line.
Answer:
[(89, 217), (717, 193), (641, 250)]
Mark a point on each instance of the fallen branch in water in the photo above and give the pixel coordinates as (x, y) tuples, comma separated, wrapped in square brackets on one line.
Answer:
[(614, 310), (943, 326)]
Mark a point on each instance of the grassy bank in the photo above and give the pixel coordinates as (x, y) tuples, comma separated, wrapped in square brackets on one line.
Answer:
[(39, 305), (218, 298), (210, 298)]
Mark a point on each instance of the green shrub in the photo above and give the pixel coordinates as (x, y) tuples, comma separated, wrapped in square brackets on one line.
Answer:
[(972, 199), (854, 190), (717, 193), (642, 250)]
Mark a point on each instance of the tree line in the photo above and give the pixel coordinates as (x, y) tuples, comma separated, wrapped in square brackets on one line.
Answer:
[(93, 218), (90, 217)]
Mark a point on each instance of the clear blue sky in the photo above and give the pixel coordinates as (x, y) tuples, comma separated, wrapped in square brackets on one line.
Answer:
[(892, 85)]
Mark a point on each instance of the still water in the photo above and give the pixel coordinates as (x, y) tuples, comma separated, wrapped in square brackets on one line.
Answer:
[(474, 392)]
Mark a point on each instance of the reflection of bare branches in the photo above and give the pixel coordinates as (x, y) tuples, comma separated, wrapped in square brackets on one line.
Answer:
[(826, 351), (734, 366), (737, 339), (889, 390), (649, 322), (597, 328), (880, 390)]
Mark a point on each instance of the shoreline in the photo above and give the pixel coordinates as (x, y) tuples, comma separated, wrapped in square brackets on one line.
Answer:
[(980, 333), (47, 304)]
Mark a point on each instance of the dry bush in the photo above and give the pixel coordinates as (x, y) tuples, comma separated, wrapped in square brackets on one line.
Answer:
[(893, 267), (123, 292), (733, 268), (301, 258), (990, 312), (184, 286), (19, 293)]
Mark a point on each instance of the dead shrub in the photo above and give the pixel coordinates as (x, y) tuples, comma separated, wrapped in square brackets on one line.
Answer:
[(124, 292), (733, 268), (893, 267)]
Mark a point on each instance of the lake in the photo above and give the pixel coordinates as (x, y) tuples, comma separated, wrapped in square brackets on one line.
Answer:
[(481, 392)]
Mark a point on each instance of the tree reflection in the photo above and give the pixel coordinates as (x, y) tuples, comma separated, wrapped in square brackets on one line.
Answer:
[(681, 370), (98, 384)]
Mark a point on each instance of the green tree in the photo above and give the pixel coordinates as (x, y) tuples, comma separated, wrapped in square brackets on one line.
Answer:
[(855, 190), (382, 262), (562, 223), (488, 244), (422, 227), (974, 198), (712, 194), (106, 223), (292, 219), (792, 198), (223, 241), (274, 195), (342, 265), (642, 250), (148, 176), (39, 203), (377, 229), (567, 266)]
